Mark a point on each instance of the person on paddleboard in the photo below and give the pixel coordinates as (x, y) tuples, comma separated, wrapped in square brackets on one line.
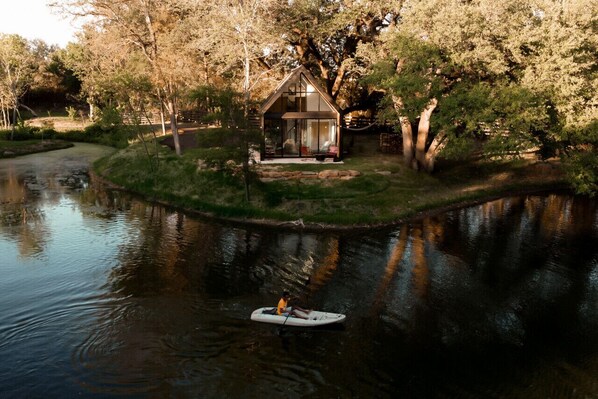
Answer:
[(285, 310)]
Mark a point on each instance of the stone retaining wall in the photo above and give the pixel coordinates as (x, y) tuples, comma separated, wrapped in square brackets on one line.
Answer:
[(270, 175)]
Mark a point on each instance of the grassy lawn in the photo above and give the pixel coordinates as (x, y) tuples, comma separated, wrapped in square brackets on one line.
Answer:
[(385, 191)]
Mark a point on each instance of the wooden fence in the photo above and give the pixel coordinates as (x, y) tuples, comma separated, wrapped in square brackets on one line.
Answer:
[(185, 116)]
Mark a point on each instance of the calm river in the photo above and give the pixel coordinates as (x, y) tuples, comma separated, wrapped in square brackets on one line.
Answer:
[(103, 295)]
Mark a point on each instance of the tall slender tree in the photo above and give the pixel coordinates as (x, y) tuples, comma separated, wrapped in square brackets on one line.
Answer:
[(155, 29), (17, 66), (241, 41)]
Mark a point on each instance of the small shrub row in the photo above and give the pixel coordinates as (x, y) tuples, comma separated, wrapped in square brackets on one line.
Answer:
[(28, 133), (116, 136), (21, 133)]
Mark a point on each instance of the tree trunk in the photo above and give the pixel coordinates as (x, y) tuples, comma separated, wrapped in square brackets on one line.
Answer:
[(438, 144), (246, 176), (338, 82), (408, 149), (28, 109), (162, 120), (407, 133), (423, 130), (14, 122), (246, 83), (4, 115), (173, 126)]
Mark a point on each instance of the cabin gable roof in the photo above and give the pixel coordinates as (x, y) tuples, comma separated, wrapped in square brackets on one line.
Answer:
[(295, 75)]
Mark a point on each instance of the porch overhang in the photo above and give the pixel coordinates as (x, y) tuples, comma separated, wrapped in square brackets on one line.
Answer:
[(310, 115)]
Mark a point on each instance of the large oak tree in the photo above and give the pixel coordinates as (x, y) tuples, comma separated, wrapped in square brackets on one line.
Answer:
[(324, 36), (522, 69)]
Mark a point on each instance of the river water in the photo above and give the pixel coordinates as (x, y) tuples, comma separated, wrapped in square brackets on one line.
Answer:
[(104, 295)]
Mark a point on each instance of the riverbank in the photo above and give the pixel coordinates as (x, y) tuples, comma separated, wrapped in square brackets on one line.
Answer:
[(10, 149), (374, 189)]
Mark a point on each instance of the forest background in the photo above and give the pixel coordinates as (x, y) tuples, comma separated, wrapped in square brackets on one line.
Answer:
[(454, 78)]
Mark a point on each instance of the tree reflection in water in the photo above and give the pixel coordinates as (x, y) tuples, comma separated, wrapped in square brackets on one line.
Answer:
[(145, 301)]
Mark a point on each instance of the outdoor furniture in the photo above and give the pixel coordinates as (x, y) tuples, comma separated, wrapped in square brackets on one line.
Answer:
[(332, 151), (290, 147)]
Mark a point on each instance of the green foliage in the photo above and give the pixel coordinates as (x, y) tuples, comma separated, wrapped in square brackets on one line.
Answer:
[(46, 134), (504, 76), (459, 147), (326, 34), (58, 67), (108, 130), (224, 106), (178, 180), (72, 112), (220, 137), (413, 74), (238, 142), (18, 62), (109, 117), (461, 115), (506, 118), (218, 157), (417, 77), (581, 158), (117, 136), (204, 96), (21, 133), (523, 120), (228, 151), (582, 136), (582, 171), (25, 133)]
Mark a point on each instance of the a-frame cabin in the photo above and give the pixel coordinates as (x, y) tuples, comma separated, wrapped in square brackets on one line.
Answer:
[(299, 119)]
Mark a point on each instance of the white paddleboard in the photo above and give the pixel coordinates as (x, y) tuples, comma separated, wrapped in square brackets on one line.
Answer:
[(316, 318)]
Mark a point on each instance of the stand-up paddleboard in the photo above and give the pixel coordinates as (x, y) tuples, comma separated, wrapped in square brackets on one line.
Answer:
[(315, 318)]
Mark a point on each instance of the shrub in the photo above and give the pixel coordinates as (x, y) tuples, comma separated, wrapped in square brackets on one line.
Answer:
[(45, 134), (110, 117), (117, 136), (72, 112), (95, 130), (76, 135), (222, 137), (21, 133)]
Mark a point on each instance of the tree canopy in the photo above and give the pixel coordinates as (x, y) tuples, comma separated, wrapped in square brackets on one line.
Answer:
[(523, 73), (512, 76), (18, 62)]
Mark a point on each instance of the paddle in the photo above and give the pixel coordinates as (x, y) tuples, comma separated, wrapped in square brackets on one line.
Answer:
[(285, 321), (281, 328)]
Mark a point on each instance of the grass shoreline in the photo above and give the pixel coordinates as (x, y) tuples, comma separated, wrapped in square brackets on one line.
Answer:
[(11, 149), (298, 224), (385, 194)]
